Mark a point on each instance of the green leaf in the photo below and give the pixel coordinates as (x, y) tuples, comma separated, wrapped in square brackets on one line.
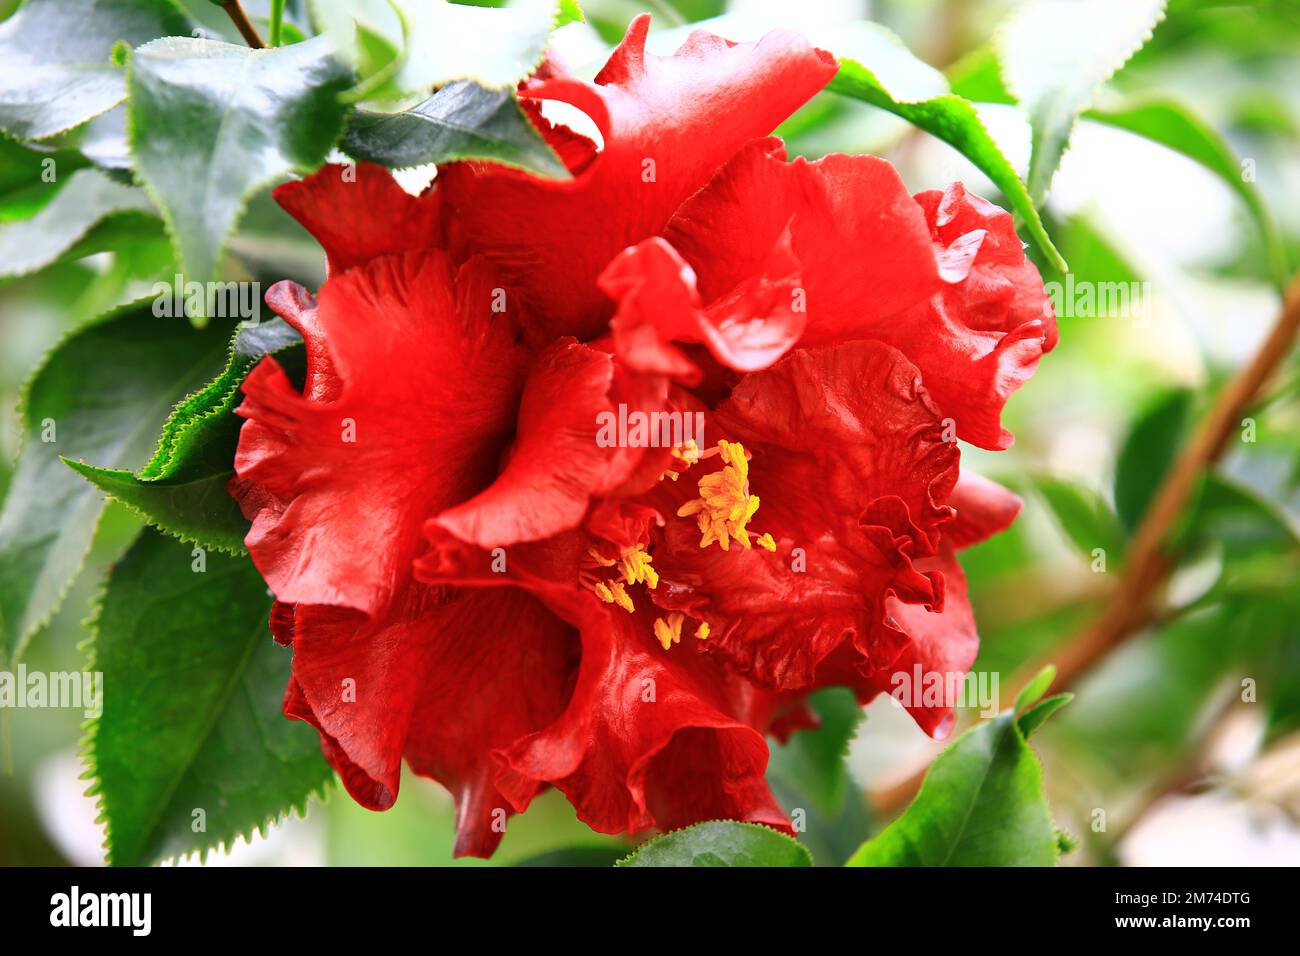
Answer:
[(88, 199), (1244, 522), (55, 59), (461, 121), (876, 68), (981, 804), (1174, 125), (1147, 453), (182, 490), (1055, 54), (100, 395), (192, 716), (814, 759), (1035, 689), (441, 42), (720, 843), (25, 172), (1084, 515), (211, 122), (1037, 715)]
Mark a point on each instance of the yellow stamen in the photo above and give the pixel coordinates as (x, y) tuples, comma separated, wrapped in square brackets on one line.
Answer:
[(613, 592), (635, 567), (725, 505), (669, 632)]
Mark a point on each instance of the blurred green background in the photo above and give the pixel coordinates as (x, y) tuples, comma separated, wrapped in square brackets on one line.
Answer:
[(1159, 760)]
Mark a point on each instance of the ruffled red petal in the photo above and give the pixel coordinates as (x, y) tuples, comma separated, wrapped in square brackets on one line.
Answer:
[(337, 490), (749, 329), (861, 240), (441, 685), (651, 738), (558, 462), (667, 123), (359, 212), (980, 338), (982, 509), (940, 641)]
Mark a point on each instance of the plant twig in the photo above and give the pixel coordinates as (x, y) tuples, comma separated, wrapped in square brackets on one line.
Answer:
[(1147, 565), (243, 24)]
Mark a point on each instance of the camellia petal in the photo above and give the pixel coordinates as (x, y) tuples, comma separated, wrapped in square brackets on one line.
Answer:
[(559, 460), (980, 338), (747, 330), (667, 123), (378, 692), (861, 240), (649, 739), (422, 414), (359, 212)]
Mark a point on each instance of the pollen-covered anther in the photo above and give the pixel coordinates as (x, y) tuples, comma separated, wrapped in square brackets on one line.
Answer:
[(613, 592), (669, 630), (634, 565), (725, 505)]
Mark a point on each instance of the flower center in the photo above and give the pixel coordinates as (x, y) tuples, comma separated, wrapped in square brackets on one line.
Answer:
[(725, 505), (633, 564)]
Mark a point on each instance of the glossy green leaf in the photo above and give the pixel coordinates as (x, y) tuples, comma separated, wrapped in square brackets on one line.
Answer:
[(1035, 689), (182, 490), (1086, 518), (212, 122), (875, 67), (192, 730), (26, 174), (720, 843), (1037, 715), (1055, 55), (1240, 520), (461, 121), (982, 802), (1174, 125), (81, 405), (814, 759), (440, 42), (1147, 452), (88, 198), (56, 69)]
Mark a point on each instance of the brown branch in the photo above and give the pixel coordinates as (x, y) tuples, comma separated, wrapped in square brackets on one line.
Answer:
[(1132, 604), (243, 24)]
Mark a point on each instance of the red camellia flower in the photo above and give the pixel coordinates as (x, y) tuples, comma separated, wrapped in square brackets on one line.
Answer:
[(591, 482)]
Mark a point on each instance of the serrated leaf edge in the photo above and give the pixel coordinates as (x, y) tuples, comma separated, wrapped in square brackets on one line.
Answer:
[(241, 207), (695, 826), (89, 758)]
